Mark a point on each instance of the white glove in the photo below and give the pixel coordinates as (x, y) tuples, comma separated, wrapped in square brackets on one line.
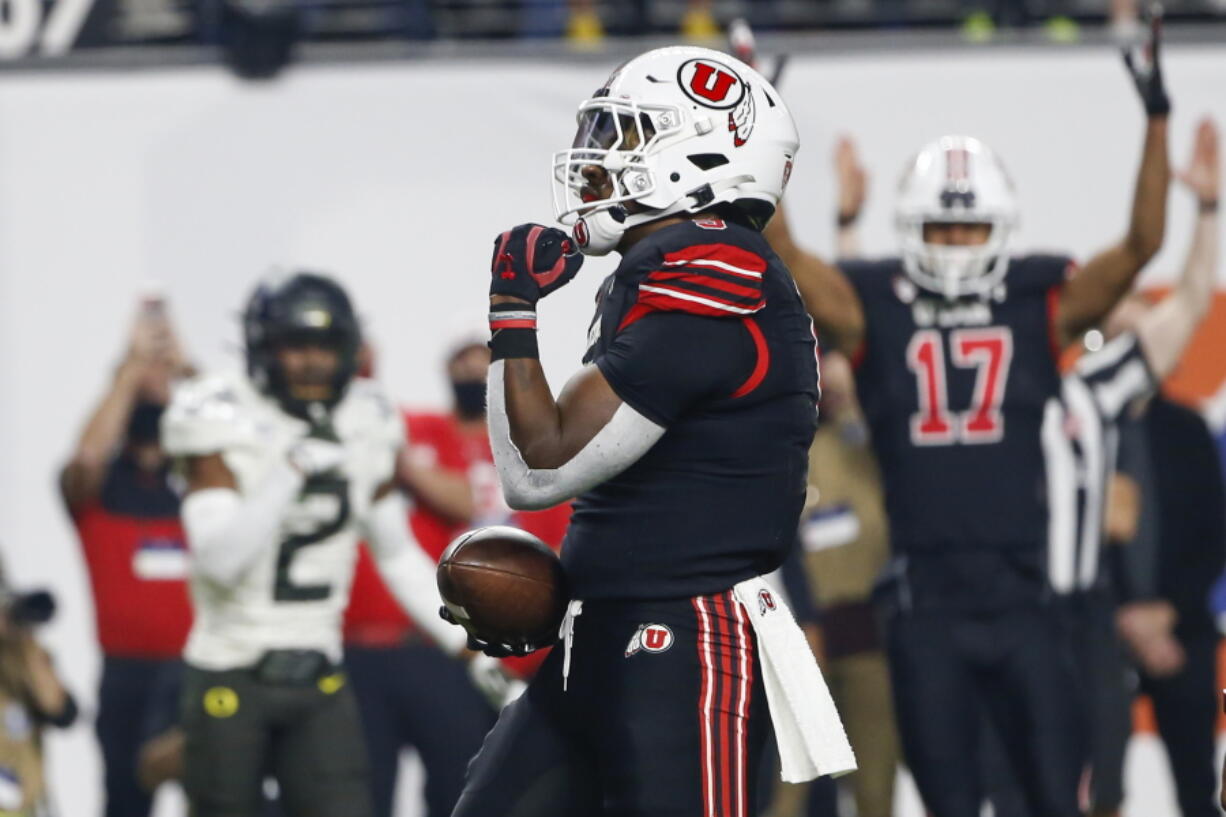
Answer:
[(311, 455), (492, 681)]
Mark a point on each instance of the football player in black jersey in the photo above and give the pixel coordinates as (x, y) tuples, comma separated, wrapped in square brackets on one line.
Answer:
[(956, 346), (684, 441)]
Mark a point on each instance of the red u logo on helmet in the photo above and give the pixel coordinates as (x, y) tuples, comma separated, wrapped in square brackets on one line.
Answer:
[(710, 83)]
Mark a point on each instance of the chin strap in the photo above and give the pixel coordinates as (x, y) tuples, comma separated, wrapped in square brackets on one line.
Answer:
[(600, 232)]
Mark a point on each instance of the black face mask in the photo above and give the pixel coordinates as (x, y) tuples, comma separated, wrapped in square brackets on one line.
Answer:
[(144, 422), (469, 398)]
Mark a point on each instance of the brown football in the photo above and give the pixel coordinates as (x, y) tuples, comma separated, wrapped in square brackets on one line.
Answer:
[(504, 585)]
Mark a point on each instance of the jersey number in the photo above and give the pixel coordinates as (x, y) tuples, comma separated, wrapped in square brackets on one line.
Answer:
[(989, 351), (285, 589)]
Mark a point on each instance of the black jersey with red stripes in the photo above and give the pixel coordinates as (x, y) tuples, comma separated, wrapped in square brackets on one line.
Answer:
[(955, 393), (702, 331)]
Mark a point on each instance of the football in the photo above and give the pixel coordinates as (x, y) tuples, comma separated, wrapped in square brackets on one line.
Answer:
[(504, 585)]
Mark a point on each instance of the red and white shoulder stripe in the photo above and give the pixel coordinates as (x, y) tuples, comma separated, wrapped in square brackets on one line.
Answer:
[(716, 280)]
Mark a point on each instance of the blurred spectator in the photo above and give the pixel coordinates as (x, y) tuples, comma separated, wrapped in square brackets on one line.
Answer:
[(1166, 619), (1015, 12), (583, 26), (1107, 677), (1125, 24), (586, 25), (1178, 519), (698, 23), (117, 488), (1215, 414), (31, 698), (852, 191), (447, 468), (844, 536), (417, 20)]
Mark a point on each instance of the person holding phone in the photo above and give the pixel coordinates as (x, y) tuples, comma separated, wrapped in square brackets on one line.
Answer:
[(116, 486)]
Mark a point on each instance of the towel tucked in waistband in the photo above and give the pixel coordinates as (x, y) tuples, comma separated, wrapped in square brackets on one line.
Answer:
[(808, 729)]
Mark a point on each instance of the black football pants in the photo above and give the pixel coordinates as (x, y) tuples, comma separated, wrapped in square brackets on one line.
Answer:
[(1185, 706), (1111, 682), (949, 669), (240, 729), (663, 715), (416, 696), (128, 686)]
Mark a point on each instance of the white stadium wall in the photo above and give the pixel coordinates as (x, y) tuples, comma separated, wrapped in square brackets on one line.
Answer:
[(396, 177)]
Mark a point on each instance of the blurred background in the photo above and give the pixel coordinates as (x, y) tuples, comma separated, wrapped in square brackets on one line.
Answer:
[(112, 23), (182, 148)]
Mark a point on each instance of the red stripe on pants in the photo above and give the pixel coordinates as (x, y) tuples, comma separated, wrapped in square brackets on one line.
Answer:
[(705, 696), (723, 626), (746, 647)]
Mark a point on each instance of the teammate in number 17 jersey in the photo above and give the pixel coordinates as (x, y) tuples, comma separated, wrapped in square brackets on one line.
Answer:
[(956, 344), (284, 467)]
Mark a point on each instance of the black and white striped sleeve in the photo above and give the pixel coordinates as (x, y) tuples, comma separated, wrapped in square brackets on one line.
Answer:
[(1116, 375)]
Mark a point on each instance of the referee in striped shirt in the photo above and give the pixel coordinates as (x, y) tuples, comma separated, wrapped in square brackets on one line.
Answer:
[(1080, 440)]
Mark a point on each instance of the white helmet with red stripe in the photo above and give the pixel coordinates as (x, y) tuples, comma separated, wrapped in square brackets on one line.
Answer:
[(956, 180), (679, 129)]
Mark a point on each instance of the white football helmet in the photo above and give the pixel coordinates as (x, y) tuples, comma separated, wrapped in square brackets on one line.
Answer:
[(956, 179), (677, 129)]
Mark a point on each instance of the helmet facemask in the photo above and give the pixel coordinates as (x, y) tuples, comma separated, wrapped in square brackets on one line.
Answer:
[(956, 180), (955, 271), (618, 137)]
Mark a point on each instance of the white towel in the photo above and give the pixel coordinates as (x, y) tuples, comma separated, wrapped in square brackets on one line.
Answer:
[(808, 729)]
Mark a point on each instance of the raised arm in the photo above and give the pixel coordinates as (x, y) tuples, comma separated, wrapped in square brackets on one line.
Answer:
[(152, 359), (829, 298), (1165, 330), (852, 190), (81, 477), (828, 295), (1109, 275)]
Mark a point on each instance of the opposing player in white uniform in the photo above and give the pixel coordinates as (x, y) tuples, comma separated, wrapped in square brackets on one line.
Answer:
[(287, 467)]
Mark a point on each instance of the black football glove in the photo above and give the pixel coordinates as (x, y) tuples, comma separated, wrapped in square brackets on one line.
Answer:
[(492, 649), (530, 261), (1147, 72)]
